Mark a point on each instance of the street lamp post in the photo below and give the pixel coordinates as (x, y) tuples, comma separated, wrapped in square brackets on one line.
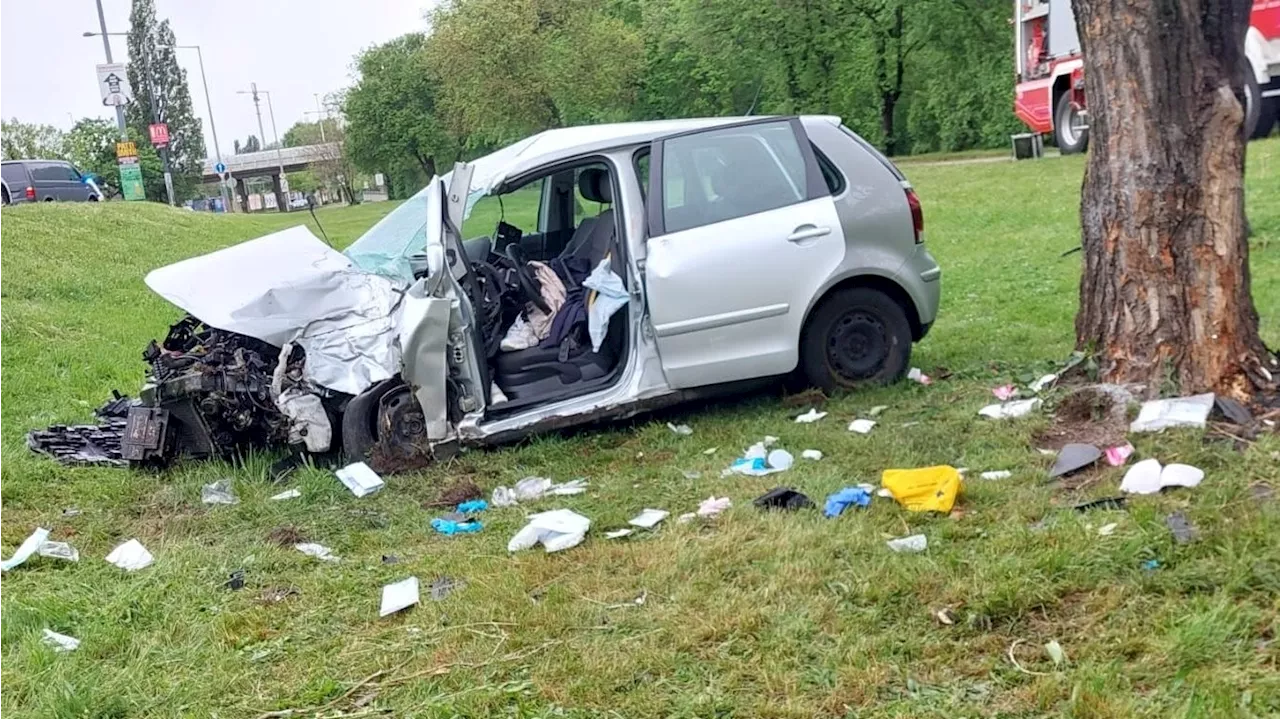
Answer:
[(213, 128), (271, 111)]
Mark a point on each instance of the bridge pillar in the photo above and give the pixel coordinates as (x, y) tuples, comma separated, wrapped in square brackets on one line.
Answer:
[(282, 201), (242, 194)]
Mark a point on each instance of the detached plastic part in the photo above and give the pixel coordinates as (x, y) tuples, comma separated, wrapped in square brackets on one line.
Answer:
[(1161, 414)]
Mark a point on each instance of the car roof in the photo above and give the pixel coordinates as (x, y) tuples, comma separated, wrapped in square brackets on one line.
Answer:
[(18, 162), (550, 146)]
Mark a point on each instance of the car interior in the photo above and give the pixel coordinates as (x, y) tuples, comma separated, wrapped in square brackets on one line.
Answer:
[(543, 236)]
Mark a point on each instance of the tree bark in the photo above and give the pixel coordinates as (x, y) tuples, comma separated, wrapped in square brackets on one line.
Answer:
[(1164, 295)]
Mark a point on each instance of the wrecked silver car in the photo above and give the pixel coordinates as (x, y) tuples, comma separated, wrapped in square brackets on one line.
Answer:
[(723, 252)]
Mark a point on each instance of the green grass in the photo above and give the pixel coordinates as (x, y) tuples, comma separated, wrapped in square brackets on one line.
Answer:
[(752, 615)]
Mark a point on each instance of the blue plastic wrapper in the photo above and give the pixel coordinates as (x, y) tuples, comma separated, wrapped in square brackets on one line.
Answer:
[(845, 498), (475, 505), (450, 527)]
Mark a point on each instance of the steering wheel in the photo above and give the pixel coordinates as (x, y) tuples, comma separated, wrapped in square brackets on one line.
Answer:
[(528, 282)]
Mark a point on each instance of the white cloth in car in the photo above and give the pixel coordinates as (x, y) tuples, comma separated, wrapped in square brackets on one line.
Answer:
[(525, 334), (610, 296)]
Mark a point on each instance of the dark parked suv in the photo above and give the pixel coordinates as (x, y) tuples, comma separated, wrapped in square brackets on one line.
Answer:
[(44, 181)]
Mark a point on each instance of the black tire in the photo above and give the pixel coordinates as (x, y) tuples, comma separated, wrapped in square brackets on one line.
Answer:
[(360, 420), (856, 337), (4, 195), (1259, 111), (1069, 140)]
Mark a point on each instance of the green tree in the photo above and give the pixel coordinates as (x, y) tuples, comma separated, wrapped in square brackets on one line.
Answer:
[(91, 145), (309, 133), (26, 141), (156, 77), (509, 68), (251, 144), (393, 124)]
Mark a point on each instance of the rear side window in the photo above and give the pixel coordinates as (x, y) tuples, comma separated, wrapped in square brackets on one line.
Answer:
[(14, 174), (49, 172), (719, 175)]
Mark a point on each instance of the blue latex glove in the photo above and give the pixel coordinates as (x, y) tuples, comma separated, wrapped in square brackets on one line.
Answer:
[(448, 526), (475, 505), (842, 500)]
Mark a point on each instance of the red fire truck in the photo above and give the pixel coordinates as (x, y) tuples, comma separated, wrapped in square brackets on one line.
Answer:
[(1050, 91)]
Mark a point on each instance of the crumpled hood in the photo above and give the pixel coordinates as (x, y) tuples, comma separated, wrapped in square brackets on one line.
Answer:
[(290, 286)]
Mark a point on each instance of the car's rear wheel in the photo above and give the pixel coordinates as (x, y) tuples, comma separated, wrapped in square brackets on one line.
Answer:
[(856, 337)]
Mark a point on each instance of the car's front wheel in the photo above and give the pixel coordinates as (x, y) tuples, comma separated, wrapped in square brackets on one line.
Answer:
[(856, 337)]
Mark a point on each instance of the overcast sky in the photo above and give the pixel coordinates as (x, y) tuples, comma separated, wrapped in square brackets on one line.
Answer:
[(294, 48)]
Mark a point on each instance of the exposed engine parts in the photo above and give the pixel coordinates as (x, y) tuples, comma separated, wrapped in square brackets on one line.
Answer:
[(208, 393)]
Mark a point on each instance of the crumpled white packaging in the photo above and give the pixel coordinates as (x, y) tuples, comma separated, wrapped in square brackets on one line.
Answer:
[(556, 530)]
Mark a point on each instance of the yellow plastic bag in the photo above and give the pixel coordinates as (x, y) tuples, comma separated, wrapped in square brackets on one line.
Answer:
[(929, 489)]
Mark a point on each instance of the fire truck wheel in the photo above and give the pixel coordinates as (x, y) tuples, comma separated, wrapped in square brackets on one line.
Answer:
[(1070, 127)]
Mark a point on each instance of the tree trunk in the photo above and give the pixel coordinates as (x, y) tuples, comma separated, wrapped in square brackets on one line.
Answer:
[(1164, 296)]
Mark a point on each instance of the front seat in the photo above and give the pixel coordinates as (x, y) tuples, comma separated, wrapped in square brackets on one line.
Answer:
[(545, 371), (594, 236)]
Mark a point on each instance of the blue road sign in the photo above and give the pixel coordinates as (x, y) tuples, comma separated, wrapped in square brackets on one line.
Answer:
[(220, 168)]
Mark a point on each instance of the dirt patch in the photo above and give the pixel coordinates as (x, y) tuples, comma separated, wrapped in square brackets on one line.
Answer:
[(1090, 414), (457, 492), (804, 400), (286, 536)]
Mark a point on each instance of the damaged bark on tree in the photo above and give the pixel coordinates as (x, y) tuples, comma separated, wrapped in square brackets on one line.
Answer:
[(1165, 292)]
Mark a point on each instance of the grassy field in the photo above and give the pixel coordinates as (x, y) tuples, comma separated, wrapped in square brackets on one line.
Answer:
[(750, 615)]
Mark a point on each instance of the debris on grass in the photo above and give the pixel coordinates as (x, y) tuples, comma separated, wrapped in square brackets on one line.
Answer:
[(862, 426), (1182, 529), (235, 580), (319, 551), (450, 526), (682, 430), (1233, 411), (1043, 383), (442, 587), (810, 417), (59, 550), (758, 461), (275, 595), (915, 375), (1148, 477), (783, 498), (390, 559), (648, 518), (131, 556), (807, 398), (60, 642), (839, 501), (812, 454), (29, 546), (710, 451), (1055, 652), (1011, 410), (914, 543), (473, 506), (398, 596), (928, 489), (1160, 414), (71, 512), (709, 508), (1151, 565), (876, 410), (287, 494), (1073, 458), (945, 616), (360, 479), (531, 488), (997, 474), (619, 533), (1004, 393), (1107, 530), (218, 492), (555, 530), (1261, 491), (1118, 455), (1103, 503), (691, 474)]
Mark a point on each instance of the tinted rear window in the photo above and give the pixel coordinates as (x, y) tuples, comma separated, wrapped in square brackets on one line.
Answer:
[(14, 174)]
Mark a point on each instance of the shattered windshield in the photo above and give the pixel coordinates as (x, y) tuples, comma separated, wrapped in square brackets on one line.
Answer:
[(386, 248)]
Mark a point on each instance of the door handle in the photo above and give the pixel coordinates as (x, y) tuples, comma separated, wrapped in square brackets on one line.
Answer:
[(807, 232)]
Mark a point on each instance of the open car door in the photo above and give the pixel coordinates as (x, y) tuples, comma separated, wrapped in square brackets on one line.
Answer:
[(742, 232)]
